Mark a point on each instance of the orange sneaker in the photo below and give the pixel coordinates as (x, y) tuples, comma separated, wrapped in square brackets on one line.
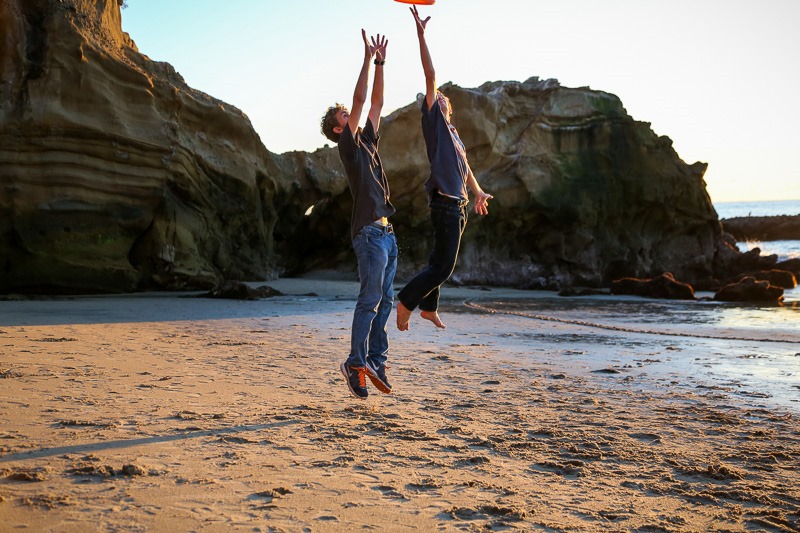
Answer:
[(356, 381), (377, 375)]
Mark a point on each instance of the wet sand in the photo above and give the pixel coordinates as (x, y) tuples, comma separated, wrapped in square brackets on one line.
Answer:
[(161, 412)]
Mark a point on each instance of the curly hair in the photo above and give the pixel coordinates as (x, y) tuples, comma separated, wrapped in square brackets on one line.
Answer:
[(329, 122)]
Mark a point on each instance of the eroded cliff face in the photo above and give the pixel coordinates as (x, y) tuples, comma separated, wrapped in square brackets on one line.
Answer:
[(584, 194), (115, 174)]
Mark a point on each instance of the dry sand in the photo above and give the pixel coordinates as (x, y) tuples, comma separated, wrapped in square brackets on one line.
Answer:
[(165, 413)]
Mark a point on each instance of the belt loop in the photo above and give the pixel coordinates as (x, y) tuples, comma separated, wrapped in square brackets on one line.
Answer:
[(387, 229)]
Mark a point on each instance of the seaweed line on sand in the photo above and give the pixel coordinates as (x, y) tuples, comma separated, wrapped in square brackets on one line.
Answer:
[(487, 309)]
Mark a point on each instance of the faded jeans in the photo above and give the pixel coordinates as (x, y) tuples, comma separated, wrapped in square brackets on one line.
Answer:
[(376, 251)]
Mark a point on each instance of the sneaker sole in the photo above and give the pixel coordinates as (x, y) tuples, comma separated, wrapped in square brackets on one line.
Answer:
[(380, 385), (343, 368)]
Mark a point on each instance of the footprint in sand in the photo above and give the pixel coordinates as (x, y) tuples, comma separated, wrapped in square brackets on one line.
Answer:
[(485, 511), (574, 468), (429, 486), (389, 492), (649, 438)]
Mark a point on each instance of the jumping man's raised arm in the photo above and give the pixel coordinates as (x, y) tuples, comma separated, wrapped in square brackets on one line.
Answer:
[(360, 93), (377, 85), (425, 56)]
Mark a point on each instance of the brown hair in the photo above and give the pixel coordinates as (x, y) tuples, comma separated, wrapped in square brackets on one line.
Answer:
[(329, 122), (446, 99)]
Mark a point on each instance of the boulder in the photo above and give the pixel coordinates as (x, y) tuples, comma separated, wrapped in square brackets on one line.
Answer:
[(749, 289), (776, 277), (663, 286), (792, 265), (731, 263), (236, 290)]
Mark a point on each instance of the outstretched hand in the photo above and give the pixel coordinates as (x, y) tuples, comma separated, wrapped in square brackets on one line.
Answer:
[(482, 203), (421, 24), (377, 46)]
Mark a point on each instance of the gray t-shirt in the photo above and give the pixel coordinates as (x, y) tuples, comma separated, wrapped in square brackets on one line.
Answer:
[(368, 183), (449, 166)]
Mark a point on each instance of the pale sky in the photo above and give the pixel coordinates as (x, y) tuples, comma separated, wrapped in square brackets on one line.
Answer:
[(721, 78)]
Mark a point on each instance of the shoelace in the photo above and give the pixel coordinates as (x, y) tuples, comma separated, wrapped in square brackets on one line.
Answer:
[(362, 379)]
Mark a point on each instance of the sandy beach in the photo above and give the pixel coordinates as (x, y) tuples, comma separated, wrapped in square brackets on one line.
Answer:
[(160, 412)]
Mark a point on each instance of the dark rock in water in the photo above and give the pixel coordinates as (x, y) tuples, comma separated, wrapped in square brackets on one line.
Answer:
[(792, 265), (732, 263), (774, 228), (663, 286), (776, 277), (750, 290), (236, 290)]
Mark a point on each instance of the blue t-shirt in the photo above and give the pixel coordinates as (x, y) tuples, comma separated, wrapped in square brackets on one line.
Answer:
[(368, 183), (449, 166)]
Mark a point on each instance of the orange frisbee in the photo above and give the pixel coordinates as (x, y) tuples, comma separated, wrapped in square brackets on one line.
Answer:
[(417, 2)]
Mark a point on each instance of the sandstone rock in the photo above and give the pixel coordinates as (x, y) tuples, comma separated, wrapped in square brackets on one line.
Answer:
[(663, 286), (584, 194), (750, 290), (116, 175)]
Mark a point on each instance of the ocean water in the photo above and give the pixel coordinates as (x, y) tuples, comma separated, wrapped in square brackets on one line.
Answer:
[(757, 209), (748, 353), (783, 249)]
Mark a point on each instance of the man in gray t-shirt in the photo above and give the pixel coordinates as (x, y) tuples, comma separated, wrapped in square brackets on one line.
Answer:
[(372, 235), (447, 186)]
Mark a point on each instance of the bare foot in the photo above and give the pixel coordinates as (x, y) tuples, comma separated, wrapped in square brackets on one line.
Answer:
[(403, 316), (433, 316)]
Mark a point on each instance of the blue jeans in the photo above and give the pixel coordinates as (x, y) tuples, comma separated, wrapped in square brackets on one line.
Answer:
[(376, 251), (449, 218)]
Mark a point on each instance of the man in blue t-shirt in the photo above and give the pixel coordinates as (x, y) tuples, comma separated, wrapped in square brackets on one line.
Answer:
[(447, 189), (372, 235)]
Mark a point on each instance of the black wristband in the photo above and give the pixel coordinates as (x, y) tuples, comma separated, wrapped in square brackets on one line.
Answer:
[(379, 62)]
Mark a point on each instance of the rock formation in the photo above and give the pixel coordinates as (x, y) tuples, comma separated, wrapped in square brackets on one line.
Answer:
[(749, 289), (663, 286), (791, 265), (776, 228), (776, 277), (584, 194), (116, 176)]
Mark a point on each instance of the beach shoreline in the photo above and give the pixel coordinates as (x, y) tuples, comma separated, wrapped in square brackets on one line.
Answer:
[(154, 412)]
